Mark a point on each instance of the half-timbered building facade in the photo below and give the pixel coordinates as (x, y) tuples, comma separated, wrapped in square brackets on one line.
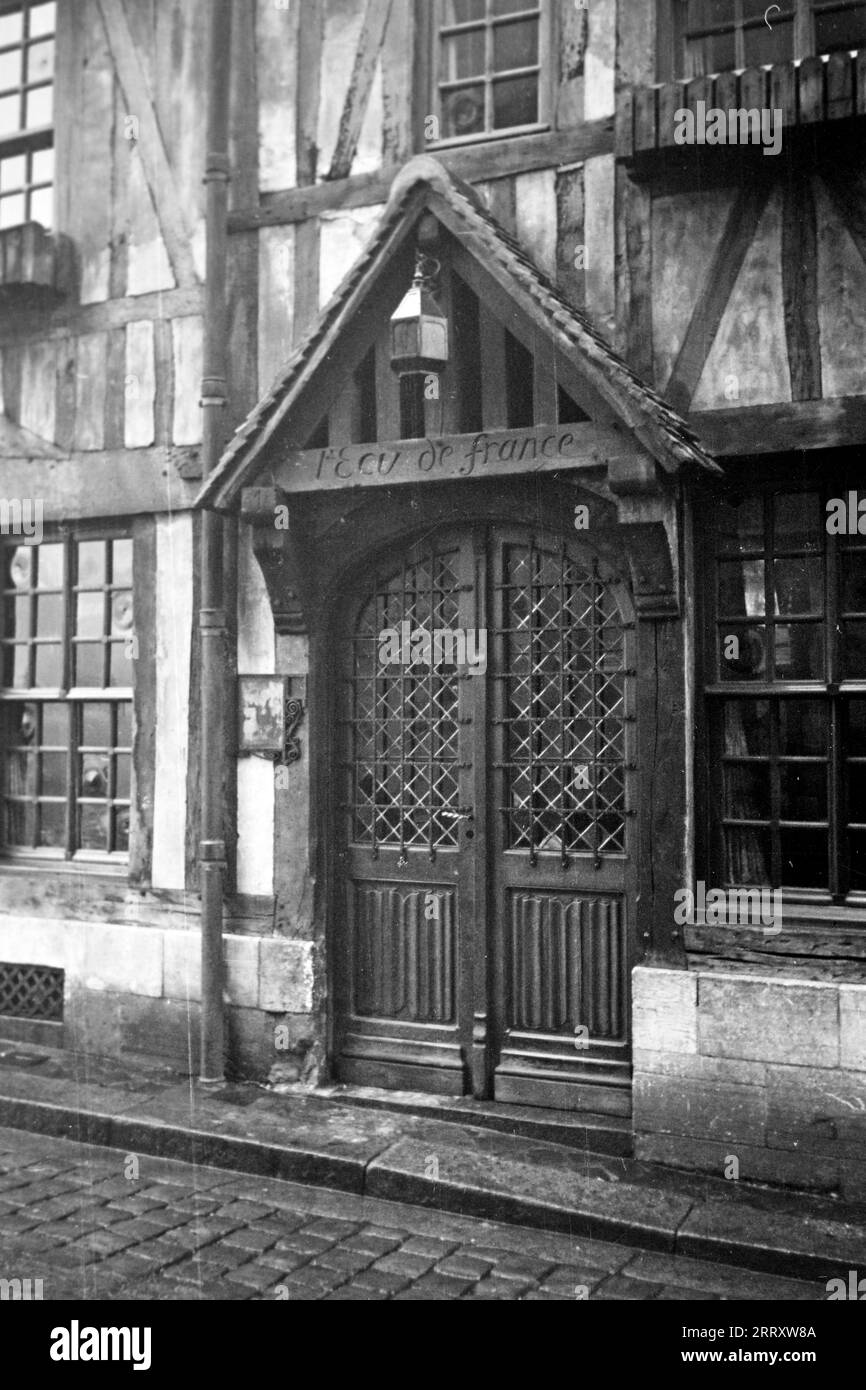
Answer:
[(484, 686)]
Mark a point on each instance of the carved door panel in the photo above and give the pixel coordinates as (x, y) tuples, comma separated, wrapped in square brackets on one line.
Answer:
[(482, 929)]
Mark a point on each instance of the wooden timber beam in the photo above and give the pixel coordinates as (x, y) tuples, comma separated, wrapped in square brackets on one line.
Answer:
[(833, 423), (120, 482), (473, 163), (716, 291), (164, 191), (800, 286), (68, 321), (376, 16), (311, 33)]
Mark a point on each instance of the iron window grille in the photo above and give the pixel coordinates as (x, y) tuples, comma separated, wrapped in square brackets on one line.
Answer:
[(490, 68), (786, 697), (27, 113), (711, 36), (67, 647), (402, 779)]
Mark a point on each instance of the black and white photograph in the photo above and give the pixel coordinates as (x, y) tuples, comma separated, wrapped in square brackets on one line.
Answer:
[(433, 666)]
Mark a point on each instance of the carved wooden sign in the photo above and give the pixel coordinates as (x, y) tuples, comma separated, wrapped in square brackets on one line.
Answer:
[(494, 453)]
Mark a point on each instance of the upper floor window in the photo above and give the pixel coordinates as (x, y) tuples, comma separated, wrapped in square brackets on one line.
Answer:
[(67, 648), (723, 35), (26, 113), (786, 694), (489, 64)]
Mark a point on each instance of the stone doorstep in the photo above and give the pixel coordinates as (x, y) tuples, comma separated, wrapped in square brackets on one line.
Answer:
[(482, 1173)]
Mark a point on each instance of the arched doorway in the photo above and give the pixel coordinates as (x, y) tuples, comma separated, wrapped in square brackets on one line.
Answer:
[(481, 794)]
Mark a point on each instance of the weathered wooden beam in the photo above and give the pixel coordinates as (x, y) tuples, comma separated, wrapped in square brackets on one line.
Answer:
[(784, 428), (125, 482), (719, 281), (634, 275), (494, 406), (306, 270), (311, 30), (497, 453), (800, 285), (375, 22), (167, 197), (397, 99), (544, 382), (310, 38), (388, 424), (570, 240), (473, 164), (19, 326)]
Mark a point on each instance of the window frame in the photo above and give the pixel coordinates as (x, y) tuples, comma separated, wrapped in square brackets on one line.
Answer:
[(427, 75), (74, 699), (28, 142), (834, 900), (671, 34)]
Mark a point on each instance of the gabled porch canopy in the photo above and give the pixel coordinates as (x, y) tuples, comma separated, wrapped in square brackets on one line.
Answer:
[(623, 424)]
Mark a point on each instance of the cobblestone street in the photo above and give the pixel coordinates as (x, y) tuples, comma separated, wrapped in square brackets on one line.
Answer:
[(78, 1218)]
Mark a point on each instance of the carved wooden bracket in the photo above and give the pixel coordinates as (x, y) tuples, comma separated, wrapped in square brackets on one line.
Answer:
[(279, 551), (642, 501)]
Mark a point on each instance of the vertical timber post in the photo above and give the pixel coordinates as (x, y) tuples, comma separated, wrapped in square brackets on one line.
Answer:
[(212, 617)]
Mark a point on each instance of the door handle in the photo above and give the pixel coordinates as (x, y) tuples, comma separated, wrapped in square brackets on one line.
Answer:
[(466, 814)]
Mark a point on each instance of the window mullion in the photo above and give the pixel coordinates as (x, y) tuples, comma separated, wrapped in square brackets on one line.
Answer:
[(67, 677), (769, 588), (71, 747), (775, 795), (837, 847)]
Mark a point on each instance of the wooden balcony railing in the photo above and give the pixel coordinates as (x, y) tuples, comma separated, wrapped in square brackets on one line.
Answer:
[(807, 93)]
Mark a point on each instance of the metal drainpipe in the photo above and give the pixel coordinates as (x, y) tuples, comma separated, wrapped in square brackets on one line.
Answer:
[(212, 615)]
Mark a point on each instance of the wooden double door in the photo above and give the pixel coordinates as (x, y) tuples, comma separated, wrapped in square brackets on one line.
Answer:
[(481, 786)]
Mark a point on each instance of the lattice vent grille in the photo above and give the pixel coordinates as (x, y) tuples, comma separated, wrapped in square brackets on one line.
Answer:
[(31, 991)]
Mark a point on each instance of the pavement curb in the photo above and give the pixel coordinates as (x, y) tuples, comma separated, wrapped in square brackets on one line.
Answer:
[(391, 1180)]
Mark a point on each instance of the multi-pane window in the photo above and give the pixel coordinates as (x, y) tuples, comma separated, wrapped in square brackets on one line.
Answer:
[(786, 696), (722, 35), (26, 113), (68, 649), (489, 60)]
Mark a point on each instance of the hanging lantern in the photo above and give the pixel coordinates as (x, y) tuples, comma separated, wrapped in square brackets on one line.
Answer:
[(419, 329)]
